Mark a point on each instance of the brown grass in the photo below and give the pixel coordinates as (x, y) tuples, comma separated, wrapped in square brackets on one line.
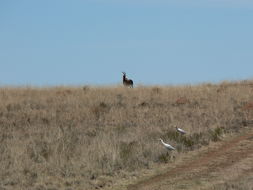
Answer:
[(85, 138)]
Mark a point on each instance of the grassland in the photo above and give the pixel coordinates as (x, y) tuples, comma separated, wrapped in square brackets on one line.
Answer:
[(92, 137)]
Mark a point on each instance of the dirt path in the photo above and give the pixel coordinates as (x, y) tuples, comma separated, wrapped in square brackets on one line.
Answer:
[(222, 162)]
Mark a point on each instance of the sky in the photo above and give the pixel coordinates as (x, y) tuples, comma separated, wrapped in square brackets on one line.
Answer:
[(156, 42)]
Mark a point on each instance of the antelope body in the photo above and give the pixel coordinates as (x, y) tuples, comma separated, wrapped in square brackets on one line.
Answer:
[(127, 82)]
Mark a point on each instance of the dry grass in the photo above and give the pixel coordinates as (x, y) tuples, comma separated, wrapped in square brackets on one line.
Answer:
[(84, 138)]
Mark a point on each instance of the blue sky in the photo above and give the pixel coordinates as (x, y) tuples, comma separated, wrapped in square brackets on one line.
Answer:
[(63, 42)]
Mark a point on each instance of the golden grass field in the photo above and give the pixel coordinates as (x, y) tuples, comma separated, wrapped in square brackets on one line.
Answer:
[(75, 138)]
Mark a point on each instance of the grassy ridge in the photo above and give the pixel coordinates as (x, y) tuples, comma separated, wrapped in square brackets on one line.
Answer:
[(82, 138)]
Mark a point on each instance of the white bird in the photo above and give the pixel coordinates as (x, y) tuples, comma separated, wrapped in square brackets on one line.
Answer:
[(168, 146), (181, 131)]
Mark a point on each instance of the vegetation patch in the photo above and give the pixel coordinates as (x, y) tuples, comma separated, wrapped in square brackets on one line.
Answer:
[(57, 135)]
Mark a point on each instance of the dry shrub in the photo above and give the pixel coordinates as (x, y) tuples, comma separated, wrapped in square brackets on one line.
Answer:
[(248, 106), (182, 100)]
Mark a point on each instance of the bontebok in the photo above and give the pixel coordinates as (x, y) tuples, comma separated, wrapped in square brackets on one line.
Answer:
[(127, 82)]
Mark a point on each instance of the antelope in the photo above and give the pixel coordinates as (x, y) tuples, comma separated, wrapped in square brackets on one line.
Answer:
[(126, 81)]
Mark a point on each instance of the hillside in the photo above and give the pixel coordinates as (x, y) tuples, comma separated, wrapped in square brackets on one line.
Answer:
[(222, 165), (101, 137)]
